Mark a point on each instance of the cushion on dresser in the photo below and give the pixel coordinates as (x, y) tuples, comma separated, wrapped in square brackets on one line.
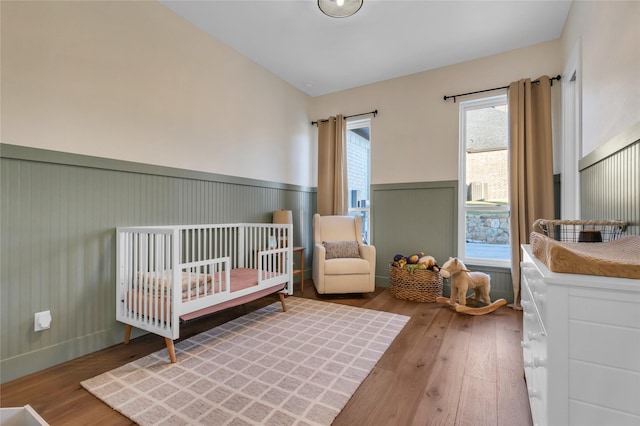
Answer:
[(618, 258)]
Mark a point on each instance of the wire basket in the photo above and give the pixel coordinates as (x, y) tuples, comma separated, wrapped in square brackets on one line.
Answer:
[(419, 285), (579, 231)]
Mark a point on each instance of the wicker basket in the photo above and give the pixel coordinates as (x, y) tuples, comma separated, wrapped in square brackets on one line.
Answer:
[(581, 230), (420, 285)]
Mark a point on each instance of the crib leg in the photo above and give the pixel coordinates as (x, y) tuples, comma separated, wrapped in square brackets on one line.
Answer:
[(284, 307), (171, 349), (127, 334)]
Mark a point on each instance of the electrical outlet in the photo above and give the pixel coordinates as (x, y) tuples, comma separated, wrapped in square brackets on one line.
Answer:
[(42, 321)]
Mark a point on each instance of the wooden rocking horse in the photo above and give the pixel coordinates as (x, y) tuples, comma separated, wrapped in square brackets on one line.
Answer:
[(462, 280)]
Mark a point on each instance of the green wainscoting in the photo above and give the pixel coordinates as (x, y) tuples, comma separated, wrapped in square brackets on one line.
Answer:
[(58, 214), (501, 282), (610, 186), (413, 217)]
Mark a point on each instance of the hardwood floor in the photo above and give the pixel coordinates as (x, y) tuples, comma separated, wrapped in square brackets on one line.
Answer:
[(444, 368)]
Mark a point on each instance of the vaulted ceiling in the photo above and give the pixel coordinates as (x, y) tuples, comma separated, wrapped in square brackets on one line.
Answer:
[(385, 39)]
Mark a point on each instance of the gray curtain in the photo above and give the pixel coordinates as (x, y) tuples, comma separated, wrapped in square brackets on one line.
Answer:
[(530, 165), (332, 167)]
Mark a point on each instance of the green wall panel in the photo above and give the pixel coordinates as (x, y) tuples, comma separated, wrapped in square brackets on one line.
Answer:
[(610, 188), (501, 282), (408, 218), (58, 215), (413, 217)]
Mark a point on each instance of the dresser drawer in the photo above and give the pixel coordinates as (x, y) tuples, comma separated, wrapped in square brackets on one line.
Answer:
[(534, 351), (537, 287)]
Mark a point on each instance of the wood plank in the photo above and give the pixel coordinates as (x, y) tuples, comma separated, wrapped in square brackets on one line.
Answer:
[(440, 323), (477, 403), (507, 319), (460, 321), (412, 376), (410, 339), (511, 411), (439, 400), (481, 361), (399, 388), (508, 348), (376, 387), (386, 302)]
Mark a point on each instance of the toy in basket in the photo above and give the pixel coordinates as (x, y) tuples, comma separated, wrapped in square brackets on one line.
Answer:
[(415, 278), (463, 280)]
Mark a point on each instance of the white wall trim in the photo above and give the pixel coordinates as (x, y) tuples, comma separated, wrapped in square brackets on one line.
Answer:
[(571, 135)]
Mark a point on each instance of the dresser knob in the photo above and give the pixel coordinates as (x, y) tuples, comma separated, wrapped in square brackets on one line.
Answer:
[(539, 362), (534, 393), (533, 336)]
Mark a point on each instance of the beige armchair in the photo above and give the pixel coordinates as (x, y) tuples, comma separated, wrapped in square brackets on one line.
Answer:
[(341, 262)]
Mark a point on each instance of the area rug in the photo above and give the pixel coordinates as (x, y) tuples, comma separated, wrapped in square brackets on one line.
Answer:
[(268, 367)]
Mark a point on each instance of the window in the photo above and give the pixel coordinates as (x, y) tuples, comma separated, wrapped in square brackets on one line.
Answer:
[(484, 168), (359, 176)]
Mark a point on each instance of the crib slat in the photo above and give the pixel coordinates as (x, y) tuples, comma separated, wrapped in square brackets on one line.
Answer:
[(153, 259)]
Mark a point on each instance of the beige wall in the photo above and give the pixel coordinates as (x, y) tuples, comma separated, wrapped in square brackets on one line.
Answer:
[(415, 136), (133, 81), (609, 36)]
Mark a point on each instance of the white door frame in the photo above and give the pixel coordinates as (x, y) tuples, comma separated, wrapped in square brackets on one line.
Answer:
[(571, 136)]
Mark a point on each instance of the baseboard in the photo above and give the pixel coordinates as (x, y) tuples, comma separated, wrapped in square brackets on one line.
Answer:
[(31, 362)]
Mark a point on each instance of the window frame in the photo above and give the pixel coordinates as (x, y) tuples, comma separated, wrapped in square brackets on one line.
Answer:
[(491, 101), (352, 124)]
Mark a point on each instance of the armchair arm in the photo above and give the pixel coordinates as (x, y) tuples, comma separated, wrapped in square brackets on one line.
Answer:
[(319, 257), (368, 253)]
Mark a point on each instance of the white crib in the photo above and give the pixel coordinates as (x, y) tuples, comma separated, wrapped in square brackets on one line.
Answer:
[(166, 274)]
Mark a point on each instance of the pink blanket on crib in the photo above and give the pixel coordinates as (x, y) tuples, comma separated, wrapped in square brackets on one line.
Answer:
[(240, 279)]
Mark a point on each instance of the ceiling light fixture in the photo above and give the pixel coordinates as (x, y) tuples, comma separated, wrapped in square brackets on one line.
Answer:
[(339, 8)]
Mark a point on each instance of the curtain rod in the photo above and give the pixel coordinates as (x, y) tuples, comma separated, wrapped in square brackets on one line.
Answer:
[(495, 88), (374, 112)]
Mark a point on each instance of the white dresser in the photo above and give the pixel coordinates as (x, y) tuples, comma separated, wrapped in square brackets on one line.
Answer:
[(581, 346)]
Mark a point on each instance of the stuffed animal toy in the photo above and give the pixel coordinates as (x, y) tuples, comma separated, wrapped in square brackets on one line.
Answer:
[(399, 261), (414, 258), (411, 267), (429, 262), (462, 280)]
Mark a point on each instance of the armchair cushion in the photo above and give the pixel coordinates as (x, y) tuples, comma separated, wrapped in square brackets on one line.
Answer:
[(341, 249), (347, 266)]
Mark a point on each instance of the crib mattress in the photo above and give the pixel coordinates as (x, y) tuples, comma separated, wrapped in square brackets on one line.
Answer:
[(618, 258), (240, 279)]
